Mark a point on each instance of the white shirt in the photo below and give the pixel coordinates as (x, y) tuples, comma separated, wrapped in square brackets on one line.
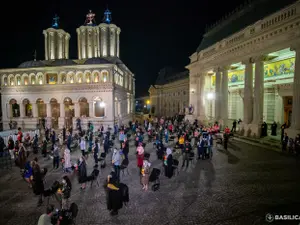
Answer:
[(82, 144)]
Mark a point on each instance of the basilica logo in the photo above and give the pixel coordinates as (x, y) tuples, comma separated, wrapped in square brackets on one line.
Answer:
[(269, 218)]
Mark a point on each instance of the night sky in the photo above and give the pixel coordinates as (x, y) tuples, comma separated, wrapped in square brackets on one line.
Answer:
[(154, 34)]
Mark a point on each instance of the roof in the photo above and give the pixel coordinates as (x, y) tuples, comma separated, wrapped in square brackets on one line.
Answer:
[(255, 11), (33, 63), (96, 61), (63, 62), (169, 74)]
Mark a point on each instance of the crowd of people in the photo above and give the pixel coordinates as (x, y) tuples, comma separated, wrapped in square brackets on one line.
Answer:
[(172, 138)]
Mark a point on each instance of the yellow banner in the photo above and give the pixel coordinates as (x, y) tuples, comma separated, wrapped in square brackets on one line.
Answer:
[(280, 68)]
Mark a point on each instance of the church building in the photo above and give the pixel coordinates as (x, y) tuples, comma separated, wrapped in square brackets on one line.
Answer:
[(97, 87), (248, 67)]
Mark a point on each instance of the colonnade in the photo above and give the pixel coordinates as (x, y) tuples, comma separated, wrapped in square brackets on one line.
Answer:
[(253, 96)]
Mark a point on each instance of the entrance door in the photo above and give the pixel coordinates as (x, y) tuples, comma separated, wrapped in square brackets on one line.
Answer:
[(288, 104), (69, 112)]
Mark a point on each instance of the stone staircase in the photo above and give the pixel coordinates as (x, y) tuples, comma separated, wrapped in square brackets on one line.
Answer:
[(268, 142)]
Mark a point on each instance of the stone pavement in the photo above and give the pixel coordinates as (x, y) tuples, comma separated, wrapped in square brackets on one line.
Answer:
[(239, 186)]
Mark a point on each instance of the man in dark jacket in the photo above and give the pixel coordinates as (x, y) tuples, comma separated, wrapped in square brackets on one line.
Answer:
[(106, 145), (37, 182), (187, 148)]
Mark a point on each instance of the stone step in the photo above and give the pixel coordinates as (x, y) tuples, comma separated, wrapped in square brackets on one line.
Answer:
[(266, 142)]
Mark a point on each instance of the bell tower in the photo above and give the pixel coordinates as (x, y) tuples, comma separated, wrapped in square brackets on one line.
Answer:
[(56, 42), (88, 38), (109, 36)]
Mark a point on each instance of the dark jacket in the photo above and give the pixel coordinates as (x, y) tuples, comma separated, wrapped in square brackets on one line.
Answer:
[(82, 174), (66, 191), (187, 148), (38, 183)]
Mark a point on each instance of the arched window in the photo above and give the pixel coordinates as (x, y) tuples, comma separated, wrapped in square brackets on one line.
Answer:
[(84, 107), (63, 78), (96, 77), (32, 80), (79, 78), (27, 108), (26, 80), (5, 81), (18, 80), (15, 108), (71, 78), (40, 79), (88, 77), (99, 107), (11, 81), (41, 108), (104, 76)]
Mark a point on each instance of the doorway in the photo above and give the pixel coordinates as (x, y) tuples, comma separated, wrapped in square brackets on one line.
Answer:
[(288, 104), (69, 112)]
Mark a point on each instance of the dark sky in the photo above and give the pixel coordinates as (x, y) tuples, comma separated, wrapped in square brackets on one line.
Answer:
[(154, 34)]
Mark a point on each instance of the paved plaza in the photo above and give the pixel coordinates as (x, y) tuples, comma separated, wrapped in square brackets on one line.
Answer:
[(238, 186)]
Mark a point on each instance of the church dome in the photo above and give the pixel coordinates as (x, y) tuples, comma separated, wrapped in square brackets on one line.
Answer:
[(96, 61), (63, 62), (30, 64)]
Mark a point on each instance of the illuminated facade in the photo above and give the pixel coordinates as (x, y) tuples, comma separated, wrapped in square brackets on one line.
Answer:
[(169, 96), (251, 72), (95, 87)]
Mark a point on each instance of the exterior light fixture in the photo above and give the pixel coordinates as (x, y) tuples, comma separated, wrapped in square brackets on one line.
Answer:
[(102, 104), (210, 96)]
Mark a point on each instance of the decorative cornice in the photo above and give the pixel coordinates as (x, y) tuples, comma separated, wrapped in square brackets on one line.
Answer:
[(264, 39), (58, 68), (103, 87)]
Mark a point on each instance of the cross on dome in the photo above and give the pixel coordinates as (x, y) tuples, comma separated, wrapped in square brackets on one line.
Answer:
[(90, 19), (107, 16), (55, 22)]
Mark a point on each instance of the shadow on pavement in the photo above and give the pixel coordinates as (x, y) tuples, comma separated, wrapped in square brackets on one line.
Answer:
[(232, 159), (234, 147)]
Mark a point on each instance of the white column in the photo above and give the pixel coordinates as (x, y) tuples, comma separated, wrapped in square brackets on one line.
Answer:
[(91, 109), (224, 103), (218, 95), (112, 41), (79, 43), (46, 45), (59, 42), (22, 110), (77, 109), (34, 110), (248, 93), (62, 110), (5, 113), (258, 92), (279, 110), (201, 105), (48, 108), (118, 42), (52, 46), (67, 39), (89, 43), (295, 123), (61, 119), (104, 42), (83, 44), (96, 43)]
